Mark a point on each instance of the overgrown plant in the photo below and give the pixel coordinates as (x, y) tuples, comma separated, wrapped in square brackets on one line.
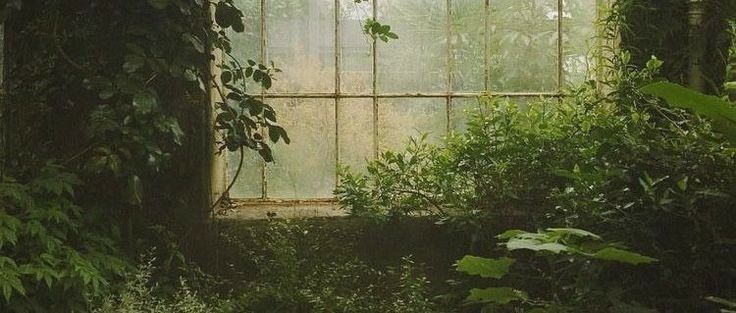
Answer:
[(51, 254), (137, 109), (614, 160), (294, 272), (569, 267), (139, 295)]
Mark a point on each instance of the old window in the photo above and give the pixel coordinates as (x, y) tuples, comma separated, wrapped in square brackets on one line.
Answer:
[(343, 97)]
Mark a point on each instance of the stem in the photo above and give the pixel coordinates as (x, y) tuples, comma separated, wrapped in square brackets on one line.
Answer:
[(61, 51), (426, 197), (232, 183)]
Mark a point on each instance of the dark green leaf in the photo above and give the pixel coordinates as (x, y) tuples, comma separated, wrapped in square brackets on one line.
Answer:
[(133, 62), (145, 102), (619, 255), (159, 4)]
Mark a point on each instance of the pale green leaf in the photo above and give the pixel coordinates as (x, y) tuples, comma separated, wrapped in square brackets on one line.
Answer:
[(483, 267), (535, 245)]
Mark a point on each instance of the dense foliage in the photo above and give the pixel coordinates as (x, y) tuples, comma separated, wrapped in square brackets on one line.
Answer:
[(616, 162), (572, 261), (106, 133), (103, 100)]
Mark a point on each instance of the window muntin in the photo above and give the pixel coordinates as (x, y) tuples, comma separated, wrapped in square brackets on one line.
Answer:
[(343, 97)]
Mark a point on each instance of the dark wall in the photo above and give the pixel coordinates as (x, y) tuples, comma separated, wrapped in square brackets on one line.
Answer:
[(660, 28), (51, 48)]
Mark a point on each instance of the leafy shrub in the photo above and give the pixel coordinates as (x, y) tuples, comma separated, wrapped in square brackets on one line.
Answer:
[(139, 295), (609, 158), (571, 263), (291, 277), (51, 255)]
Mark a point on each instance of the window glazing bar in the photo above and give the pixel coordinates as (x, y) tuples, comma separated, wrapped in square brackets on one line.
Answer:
[(412, 95)]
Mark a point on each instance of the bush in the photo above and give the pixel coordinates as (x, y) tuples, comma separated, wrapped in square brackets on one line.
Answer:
[(52, 253), (139, 294), (619, 163), (293, 274)]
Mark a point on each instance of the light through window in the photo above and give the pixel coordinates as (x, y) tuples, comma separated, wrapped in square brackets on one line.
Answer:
[(343, 97)]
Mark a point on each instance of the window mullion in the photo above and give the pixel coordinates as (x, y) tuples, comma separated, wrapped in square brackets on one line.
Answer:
[(338, 60), (560, 77), (264, 41), (375, 84)]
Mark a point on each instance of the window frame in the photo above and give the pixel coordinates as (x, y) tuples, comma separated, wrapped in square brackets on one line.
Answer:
[(220, 166)]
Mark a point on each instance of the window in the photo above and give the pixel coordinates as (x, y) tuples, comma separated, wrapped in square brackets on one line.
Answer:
[(343, 98)]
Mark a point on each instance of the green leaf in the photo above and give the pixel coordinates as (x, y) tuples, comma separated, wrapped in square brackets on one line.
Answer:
[(574, 232), (266, 154), (721, 301), (159, 4), (228, 16), (722, 112), (194, 41), (686, 98), (619, 255), (266, 81), (511, 233), (483, 267), (500, 295), (145, 102), (133, 62), (535, 245), (226, 77), (135, 190)]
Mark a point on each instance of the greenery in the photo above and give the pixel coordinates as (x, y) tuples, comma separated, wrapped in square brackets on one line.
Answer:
[(110, 109), (620, 163), (296, 272), (568, 270), (68, 205)]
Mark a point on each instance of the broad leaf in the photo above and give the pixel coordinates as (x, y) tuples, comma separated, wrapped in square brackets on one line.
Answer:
[(145, 102), (720, 111), (618, 255), (483, 267), (573, 232), (686, 98), (535, 245)]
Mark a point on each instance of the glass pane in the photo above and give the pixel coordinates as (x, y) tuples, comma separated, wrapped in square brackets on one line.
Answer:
[(463, 108), (355, 132), (579, 31), (249, 184), (356, 66), (306, 167), (247, 45), (523, 45), (402, 118), (460, 112), (417, 61), (468, 68), (301, 41)]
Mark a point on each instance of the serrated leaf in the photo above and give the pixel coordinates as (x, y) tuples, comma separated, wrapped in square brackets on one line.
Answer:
[(483, 267)]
